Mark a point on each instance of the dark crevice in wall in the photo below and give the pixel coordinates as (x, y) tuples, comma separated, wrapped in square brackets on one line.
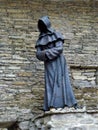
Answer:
[(14, 127), (97, 76)]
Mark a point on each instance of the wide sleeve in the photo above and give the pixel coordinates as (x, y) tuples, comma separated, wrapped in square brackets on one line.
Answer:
[(55, 51), (40, 54), (51, 53)]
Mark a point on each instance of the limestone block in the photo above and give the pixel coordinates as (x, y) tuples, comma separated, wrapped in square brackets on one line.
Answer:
[(93, 127), (77, 128), (80, 77), (66, 120), (24, 125)]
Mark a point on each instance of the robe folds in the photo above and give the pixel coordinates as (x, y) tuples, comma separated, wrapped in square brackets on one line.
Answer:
[(58, 90)]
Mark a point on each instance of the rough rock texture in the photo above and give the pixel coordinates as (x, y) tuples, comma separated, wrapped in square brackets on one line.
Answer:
[(22, 75), (66, 120)]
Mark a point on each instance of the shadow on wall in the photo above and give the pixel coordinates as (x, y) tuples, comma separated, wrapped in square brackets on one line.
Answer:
[(9, 126)]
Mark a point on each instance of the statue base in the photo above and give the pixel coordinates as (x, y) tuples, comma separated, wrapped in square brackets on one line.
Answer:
[(70, 119)]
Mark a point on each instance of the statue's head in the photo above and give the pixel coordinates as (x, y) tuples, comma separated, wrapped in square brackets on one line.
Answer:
[(44, 24)]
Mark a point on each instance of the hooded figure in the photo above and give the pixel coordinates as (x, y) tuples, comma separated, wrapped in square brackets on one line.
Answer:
[(58, 90)]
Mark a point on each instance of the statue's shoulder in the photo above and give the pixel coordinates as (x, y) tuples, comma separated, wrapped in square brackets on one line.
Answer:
[(59, 35)]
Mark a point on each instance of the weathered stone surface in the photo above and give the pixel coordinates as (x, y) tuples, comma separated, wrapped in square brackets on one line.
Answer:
[(66, 121), (6, 124), (24, 125)]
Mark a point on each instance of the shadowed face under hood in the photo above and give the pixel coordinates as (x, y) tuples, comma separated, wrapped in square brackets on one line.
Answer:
[(44, 24), (47, 34)]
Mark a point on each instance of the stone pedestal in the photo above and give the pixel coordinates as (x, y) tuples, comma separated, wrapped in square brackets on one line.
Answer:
[(66, 120)]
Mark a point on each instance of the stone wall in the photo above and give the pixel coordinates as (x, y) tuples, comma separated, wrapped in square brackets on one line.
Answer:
[(22, 75)]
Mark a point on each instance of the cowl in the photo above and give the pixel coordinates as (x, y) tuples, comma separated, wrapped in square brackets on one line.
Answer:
[(47, 34)]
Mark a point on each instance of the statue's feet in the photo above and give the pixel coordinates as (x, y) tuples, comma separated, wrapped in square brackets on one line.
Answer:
[(56, 109), (76, 106), (59, 109), (66, 108), (52, 109)]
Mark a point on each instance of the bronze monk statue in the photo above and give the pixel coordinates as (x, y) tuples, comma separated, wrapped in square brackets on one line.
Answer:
[(58, 90)]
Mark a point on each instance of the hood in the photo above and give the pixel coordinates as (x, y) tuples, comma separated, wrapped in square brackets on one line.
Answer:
[(47, 34), (44, 24)]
